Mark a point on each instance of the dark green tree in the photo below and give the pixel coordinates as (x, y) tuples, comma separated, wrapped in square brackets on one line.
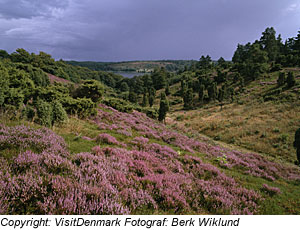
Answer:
[(159, 78), (201, 93), (163, 109), (145, 101), (4, 54), (212, 91), (167, 90), (151, 92), (90, 89), (124, 87), (270, 43), (132, 97), (291, 81), (297, 144), (281, 79), (188, 99)]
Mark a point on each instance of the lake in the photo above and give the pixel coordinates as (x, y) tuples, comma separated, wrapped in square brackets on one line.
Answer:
[(129, 74)]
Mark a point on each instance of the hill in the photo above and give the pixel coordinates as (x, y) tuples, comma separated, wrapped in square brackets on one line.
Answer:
[(135, 66), (120, 163)]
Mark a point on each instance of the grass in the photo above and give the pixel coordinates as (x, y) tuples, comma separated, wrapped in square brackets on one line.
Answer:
[(266, 127)]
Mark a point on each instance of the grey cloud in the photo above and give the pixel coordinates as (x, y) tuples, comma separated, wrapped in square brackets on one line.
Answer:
[(107, 30), (29, 8)]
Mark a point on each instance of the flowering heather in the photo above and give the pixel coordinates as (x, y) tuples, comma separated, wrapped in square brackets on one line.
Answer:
[(44, 178), (270, 190), (108, 139), (249, 163), (114, 181)]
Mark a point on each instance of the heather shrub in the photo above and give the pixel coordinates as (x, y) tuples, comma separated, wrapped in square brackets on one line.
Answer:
[(106, 139), (270, 190)]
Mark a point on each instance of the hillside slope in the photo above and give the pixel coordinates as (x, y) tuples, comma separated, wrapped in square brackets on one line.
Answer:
[(262, 118), (120, 163)]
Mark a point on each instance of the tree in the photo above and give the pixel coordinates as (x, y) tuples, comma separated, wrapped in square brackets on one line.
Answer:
[(281, 79), (132, 97), (188, 99), (269, 43), (163, 109), (205, 63), (291, 81), (201, 93), (212, 91), (145, 102), (159, 78), (297, 144), (151, 92), (3, 54), (124, 87), (21, 55), (167, 90), (222, 63), (221, 96), (90, 89)]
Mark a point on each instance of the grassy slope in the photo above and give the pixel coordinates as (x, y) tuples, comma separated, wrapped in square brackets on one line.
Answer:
[(267, 127)]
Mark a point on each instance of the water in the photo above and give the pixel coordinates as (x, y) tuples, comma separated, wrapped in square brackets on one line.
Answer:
[(129, 74)]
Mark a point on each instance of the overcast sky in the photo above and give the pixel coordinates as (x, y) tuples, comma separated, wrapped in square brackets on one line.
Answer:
[(117, 30)]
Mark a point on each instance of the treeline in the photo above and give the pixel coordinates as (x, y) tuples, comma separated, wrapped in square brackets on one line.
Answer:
[(208, 81), (59, 68), (169, 65)]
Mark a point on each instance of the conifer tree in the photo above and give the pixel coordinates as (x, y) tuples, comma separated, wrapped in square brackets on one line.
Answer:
[(291, 81), (163, 108), (201, 93), (145, 102), (188, 99), (281, 79), (167, 90), (212, 91), (297, 144)]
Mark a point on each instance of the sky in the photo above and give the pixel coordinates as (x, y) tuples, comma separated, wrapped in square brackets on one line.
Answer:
[(123, 30)]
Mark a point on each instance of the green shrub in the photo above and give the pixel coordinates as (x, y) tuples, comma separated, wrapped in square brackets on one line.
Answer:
[(29, 112), (44, 113), (82, 107), (59, 113)]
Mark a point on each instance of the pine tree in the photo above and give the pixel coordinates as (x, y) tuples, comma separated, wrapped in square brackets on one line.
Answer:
[(145, 102), (132, 97), (201, 93), (297, 144), (291, 81), (188, 99), (281, 79), (212, 91), (163, 109), (167, 90)]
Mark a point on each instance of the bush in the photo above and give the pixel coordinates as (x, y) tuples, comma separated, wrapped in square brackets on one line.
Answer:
[(82, 107), (29, 112), (291, 81), (59, 113), (90, 89), (44, 113)]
